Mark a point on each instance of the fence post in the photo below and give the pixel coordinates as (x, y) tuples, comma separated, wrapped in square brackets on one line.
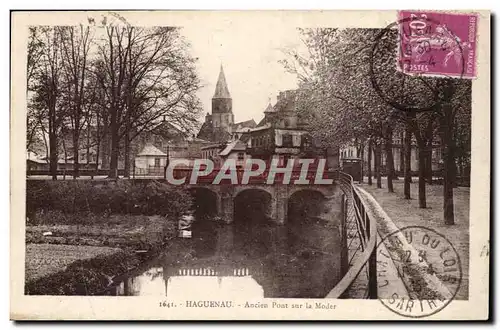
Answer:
[(372, 271), (344, 258)]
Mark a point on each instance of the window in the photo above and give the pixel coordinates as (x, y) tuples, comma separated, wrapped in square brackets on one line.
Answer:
[(157, 162), (287, 140), (305, 141), (241, 155)]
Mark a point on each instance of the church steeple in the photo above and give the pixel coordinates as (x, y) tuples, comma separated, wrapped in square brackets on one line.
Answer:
[(221, 90)]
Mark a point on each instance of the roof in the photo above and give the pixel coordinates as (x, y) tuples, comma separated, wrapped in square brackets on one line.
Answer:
[(168, 131), (269, 108), (260, 128), (235, 145), (32, 156), (245, 124), (212, 146), (151, 150), (213, 134), (196, 139), (221, 90)]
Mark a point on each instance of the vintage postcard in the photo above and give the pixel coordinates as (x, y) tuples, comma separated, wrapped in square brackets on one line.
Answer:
[(250, 165)]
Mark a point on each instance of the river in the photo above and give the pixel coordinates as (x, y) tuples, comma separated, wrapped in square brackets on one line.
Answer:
[(249, 258)]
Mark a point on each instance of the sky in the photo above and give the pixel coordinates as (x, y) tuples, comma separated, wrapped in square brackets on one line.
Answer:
[(249, 54)]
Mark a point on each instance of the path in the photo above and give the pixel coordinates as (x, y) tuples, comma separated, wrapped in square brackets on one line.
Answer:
[(406, 213)]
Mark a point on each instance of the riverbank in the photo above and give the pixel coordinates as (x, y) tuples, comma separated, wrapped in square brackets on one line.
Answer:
[(76, 259), (46, 259), (83, 276)]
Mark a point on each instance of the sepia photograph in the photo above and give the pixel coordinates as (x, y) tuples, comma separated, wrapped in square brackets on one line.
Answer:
[(281, 166)]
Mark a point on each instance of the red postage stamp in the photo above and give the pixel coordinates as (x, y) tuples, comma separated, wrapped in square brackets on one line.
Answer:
[(437, 44)]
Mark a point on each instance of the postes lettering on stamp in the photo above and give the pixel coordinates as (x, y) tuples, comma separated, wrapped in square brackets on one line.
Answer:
[(419, 272), (437, 44), (415, 60)]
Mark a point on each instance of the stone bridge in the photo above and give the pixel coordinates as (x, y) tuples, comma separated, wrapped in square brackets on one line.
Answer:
[(280, 194)]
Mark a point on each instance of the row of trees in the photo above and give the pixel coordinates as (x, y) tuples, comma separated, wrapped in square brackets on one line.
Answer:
[(106, 84), (352, 93)]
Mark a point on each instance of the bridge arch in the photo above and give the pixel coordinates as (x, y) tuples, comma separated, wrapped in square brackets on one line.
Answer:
[(206, 202), (306, 202), (253, 204)]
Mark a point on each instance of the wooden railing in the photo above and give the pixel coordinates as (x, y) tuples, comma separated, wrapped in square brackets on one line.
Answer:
[(360, 240)]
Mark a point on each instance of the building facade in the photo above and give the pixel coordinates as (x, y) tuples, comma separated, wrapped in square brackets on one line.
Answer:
[(353, 151)]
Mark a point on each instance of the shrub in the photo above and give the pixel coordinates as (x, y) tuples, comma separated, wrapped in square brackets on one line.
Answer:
[(106, 197)]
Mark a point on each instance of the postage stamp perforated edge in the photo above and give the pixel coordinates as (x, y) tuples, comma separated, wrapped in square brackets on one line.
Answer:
[(461, 74)]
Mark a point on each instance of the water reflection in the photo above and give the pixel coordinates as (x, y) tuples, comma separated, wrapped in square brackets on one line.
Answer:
[(248, 258)]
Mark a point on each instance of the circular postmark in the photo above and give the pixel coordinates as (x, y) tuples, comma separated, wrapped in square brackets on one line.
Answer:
[(419, 271), (408, 55)]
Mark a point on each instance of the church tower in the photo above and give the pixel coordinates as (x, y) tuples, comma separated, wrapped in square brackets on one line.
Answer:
[(222, 105)]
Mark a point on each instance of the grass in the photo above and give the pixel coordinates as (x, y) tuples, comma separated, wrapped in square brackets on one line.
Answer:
[(45, 259), (407, 213)]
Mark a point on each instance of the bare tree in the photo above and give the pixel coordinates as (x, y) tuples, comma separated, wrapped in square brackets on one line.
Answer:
[(146, 75), (47, 90), (75, 45)]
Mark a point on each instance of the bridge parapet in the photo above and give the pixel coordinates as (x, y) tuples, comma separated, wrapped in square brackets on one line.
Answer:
[(279, 178), (209, 271)]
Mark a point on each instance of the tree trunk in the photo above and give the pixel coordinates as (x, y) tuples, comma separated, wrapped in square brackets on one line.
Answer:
[(113, 163), (98, 144), (76, 153), (53, 154), (53, 141), (449, 167), (389, 162), (402, 154), (65, 156), (407, 161), (127, 141), (378, 161), (88, 144), (45, 143), (106, 143), (428, 164), (374, 172), (422, 200), (361, 155), (370, 148), (126, 153)]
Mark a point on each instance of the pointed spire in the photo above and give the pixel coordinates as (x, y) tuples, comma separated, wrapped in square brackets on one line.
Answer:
[(221, 90), (269, 107)]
